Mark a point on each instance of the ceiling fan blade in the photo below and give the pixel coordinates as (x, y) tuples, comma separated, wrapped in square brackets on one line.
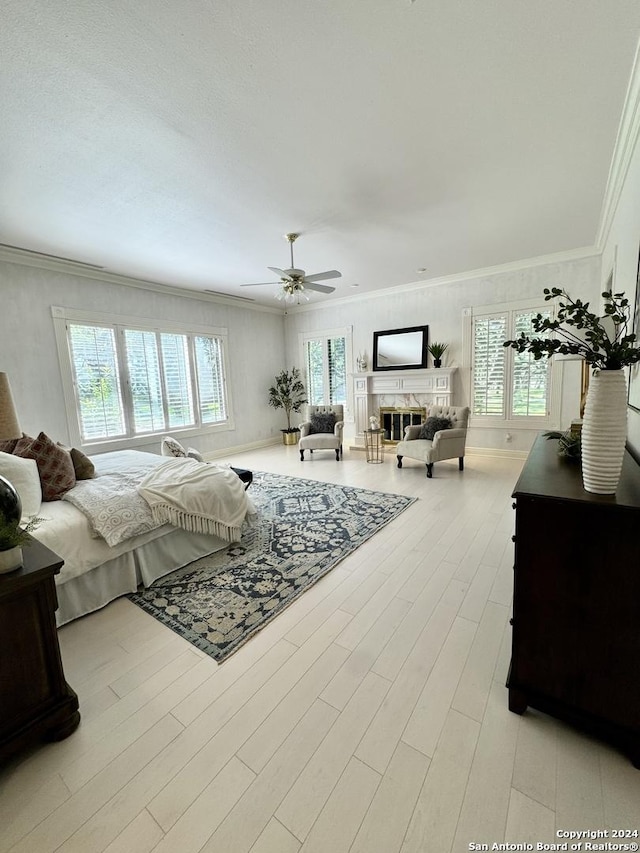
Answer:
[(321, 288), (260, 283), (323, 276), (281, 273)]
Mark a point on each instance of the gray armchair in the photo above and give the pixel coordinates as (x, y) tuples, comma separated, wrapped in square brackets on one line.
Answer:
[(446, 443), (311, 440)]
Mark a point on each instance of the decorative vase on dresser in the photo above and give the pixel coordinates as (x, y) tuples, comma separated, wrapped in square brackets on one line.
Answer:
[(604, 431)]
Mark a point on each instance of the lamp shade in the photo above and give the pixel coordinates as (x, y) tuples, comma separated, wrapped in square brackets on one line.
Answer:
[(9, 426)]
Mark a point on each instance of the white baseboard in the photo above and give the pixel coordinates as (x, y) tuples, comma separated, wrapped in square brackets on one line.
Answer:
[(240, 448), (498, 452)]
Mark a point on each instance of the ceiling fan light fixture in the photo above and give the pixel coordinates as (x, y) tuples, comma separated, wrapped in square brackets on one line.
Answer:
[(292, 293)]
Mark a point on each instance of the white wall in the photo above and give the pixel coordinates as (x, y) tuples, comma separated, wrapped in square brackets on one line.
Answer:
[(621, 251), (441, 308), (28, 349)]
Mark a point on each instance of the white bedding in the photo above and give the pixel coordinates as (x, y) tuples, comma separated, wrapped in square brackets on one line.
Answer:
[(95, 573)]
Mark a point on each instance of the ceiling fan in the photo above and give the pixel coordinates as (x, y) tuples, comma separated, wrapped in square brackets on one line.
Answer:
[(294, 281)]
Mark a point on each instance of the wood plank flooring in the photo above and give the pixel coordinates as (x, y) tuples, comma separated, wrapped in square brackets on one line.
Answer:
[(371, 716)]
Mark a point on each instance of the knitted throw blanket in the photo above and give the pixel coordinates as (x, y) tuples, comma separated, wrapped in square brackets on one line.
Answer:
[(199, 497)]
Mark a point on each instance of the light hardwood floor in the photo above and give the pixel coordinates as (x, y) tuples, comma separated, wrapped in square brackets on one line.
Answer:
[(371, 716)]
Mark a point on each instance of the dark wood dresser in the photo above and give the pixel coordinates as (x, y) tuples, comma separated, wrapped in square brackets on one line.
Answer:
[(35, 700), (576, 603)]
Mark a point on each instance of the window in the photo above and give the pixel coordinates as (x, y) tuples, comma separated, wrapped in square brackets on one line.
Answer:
[(326, 368), (507, 385), (129, 381)]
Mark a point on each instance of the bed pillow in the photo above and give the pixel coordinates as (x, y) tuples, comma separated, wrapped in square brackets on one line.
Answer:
[(171, 447), (23, 476), (322, 422), (192, 453), (7, 446), (57, 474), (432, 425)]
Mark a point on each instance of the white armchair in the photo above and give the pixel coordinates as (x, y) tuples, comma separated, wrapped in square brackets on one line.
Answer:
[(446, 443), (312, 439)]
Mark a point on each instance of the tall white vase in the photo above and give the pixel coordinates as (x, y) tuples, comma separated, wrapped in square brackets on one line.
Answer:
[(604, 431)]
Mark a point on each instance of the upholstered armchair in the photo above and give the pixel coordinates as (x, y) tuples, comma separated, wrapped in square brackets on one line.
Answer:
[(322, 430), (446, 443)]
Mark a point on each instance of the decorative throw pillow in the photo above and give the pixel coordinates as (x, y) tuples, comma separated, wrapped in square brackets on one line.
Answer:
[(8, 446), (171, 447), (23, 476), (432, 425), (192, 453), (84, 467), (322, 422), (57, 474)]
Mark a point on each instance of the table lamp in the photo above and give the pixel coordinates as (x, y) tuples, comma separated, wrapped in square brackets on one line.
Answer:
[(10, 504)]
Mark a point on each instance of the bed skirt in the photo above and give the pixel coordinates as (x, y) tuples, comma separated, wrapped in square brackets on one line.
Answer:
[(143, 565)]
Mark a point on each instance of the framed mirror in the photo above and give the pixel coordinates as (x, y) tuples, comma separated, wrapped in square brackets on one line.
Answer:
[(400, 349)]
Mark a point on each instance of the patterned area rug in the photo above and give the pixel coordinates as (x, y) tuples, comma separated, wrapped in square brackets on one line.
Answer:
[(302, 530)]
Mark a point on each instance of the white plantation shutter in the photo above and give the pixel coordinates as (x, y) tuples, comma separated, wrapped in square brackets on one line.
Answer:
[(137, 381), (489, 333), (315, 372), (530, 380), (326, 365), (96, 378), (145, 382), (507, 384), (210, 379), (177, 380), (337, 370)]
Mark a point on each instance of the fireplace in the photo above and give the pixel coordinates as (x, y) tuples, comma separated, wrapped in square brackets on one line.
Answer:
[(407, 391), (393, 421)]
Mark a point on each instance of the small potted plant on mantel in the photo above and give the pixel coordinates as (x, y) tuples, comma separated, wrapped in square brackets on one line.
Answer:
[(437, 350), (604, 344), (288, 393)]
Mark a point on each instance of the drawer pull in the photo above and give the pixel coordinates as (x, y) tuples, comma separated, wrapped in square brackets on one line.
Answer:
[(513, 538), (514, 505)]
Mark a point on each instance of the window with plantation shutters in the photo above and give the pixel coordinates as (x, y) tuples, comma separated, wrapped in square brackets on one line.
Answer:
[(326, 368), (489, 333), (96, 381), (210, 373), (131, 382), (507, 385), (530, 378)]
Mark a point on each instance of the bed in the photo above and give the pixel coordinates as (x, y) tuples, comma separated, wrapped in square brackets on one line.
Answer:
[(94, 572)]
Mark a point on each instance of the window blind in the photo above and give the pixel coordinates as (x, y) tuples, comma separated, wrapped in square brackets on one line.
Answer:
[(96, 381), (489, 334)]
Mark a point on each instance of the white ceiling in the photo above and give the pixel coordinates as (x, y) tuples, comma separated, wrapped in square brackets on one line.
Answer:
[(178, 140)]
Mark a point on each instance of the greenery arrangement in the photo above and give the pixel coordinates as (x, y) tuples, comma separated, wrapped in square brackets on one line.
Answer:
[(288, 393), (437, 350), (12, 535), (569, 444), (586, 335)]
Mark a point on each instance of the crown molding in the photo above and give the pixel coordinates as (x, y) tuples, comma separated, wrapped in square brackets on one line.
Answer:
[(25, 257), (626, 139), (455, 278)]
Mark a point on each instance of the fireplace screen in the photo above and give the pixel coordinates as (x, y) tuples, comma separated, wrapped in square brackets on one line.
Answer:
[(393, 422)]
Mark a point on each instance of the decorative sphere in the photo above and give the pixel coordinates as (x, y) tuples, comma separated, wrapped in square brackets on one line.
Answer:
[(10, 503)]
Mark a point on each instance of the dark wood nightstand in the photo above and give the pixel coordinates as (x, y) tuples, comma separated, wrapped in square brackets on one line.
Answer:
[(35, 700)]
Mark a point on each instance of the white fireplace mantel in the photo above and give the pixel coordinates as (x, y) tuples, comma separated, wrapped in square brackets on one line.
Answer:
[(400, 388)]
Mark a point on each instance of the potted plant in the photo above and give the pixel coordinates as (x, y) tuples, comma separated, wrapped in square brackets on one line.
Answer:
[(288, 393), (604, 344), (12, 538), (437, 350)]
